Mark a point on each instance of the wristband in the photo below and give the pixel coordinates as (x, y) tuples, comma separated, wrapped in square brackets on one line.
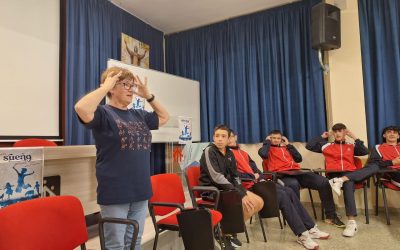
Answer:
[(151, 98)]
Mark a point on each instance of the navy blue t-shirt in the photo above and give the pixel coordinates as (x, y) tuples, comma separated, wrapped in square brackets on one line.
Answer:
[(123, 143)]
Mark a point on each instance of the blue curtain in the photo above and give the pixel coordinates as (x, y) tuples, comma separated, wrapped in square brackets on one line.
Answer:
[(94, 30), (380, 46), (256, 73)]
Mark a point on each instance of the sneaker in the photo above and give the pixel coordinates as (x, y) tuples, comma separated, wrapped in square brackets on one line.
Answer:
[(315, 233), (234, 241), (351, 229), (335, 221), (305, 240), (395, 183), (226, 244), (336, 184)]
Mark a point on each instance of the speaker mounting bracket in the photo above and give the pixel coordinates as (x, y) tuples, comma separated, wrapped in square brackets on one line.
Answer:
[(324, 67)]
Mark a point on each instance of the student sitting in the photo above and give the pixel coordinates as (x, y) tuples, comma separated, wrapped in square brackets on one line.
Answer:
[(293, 211), (278, 155), (385, 155), (339, 156), (218, 168)]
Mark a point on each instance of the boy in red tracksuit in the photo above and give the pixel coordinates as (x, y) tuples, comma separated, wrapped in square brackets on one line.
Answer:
[(385, 155), (339, 156), (293, 211), (278, 155)]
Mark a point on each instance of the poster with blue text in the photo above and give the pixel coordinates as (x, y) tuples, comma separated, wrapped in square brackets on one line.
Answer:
[(21, 174), (185, 128)]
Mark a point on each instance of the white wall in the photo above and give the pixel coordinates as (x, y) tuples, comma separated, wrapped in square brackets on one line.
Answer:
[(346, 90), (29, 67)]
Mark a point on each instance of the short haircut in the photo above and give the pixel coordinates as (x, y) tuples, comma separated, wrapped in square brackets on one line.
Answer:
[(394, 128), (222, 127), (338, 126), (275, 132), (232, 132), (126, 74)]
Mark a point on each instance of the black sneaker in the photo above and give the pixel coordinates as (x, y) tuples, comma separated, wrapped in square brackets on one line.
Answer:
[(335, 221), (226, 244), (234, 241)]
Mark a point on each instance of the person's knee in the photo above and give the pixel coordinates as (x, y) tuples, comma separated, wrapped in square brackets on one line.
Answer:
[(257, 202)]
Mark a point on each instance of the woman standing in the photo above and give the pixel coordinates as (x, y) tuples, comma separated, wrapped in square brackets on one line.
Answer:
[(123, 142)]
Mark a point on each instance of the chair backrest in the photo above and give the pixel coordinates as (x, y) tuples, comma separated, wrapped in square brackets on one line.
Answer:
[(34, 142), (358, 162), (56, 222), (166, 188), (192, 175)]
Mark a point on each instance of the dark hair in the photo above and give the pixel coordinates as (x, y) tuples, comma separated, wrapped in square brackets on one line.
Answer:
[(222, 127), (394, 128), (232, 132), (275, 132), (338, 126)]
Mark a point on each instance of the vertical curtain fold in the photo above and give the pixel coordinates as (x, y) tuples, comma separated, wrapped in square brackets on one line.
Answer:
[(256, 73), (380, 48)]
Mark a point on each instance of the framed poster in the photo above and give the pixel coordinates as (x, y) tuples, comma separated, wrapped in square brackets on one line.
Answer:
[(134, 51)]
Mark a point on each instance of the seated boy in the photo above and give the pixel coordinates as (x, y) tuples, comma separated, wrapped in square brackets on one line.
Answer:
[(293, 211), (339, 156), (278, 155), (218, 168)]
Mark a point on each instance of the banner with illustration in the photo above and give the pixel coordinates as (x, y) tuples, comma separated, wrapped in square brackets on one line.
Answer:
[(21, 174), (185, 128)]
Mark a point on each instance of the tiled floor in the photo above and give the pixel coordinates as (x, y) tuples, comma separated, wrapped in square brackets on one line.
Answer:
[(377, 235)]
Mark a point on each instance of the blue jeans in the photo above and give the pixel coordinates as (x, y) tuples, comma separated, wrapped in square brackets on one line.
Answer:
[(119, 236)]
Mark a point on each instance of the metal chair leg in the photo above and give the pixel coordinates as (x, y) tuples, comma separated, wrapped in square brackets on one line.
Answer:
[(312, 203), (280, 221), (251, 219), (385, 204), (377, 184), (155, 240), (247, 235), (366, 205), (262, 228)]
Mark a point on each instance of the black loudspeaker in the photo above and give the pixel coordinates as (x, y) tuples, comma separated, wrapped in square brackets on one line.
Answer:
[(325, 27)]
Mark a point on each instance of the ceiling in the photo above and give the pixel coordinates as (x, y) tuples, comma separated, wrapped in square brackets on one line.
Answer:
[(171, 16)]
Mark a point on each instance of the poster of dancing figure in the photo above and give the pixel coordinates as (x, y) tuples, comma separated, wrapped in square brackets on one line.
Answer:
[(21, 175)]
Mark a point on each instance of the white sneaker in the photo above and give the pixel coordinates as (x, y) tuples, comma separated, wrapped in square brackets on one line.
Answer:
[(336, 184), (351, 229), (305, 240), (315, 233), (395, 183)]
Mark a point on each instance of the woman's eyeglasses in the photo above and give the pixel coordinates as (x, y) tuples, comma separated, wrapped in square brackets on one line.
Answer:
[(127, 86)]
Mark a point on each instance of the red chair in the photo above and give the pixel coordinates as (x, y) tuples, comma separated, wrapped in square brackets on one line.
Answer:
[(192, 175), (34, 142), (168, 196), (56, 222), (383, 182)]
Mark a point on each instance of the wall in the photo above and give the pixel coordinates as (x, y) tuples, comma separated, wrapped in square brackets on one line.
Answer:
[(345, 89)]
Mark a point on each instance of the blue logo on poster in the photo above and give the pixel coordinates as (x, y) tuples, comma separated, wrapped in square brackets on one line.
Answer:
[(138, 103), (186, 134)]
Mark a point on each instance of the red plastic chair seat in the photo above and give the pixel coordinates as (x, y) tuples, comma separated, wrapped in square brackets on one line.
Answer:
[(172, 220)]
